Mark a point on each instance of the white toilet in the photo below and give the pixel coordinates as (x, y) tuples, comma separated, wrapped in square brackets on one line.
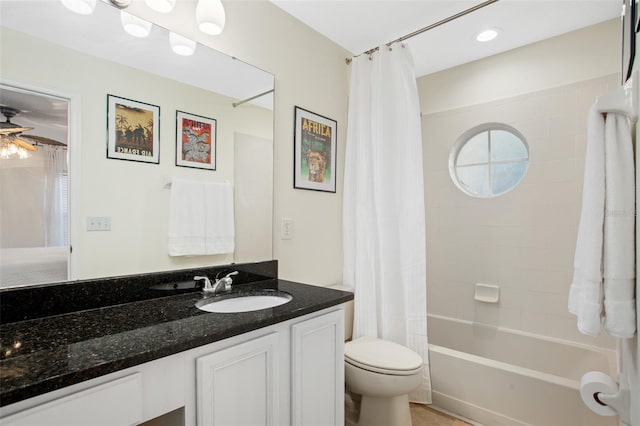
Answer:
[(379, 376)]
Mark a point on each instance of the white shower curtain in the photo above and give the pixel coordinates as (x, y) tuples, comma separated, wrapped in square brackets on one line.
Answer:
[(383, 216), (55, 208)]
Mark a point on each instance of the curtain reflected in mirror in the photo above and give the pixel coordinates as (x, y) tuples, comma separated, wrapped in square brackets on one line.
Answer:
[(34, 202)]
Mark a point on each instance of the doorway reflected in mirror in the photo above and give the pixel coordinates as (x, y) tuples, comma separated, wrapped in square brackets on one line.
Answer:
[(34, 202)]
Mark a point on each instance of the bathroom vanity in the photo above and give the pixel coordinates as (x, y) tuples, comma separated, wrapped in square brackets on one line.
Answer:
[(143, 354)]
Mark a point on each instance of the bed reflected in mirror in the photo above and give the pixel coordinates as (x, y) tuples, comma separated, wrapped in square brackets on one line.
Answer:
[(34, 204)]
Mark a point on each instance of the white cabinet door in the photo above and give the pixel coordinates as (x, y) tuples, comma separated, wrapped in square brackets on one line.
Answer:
[(116, 403), (318, 371), (238, 386)]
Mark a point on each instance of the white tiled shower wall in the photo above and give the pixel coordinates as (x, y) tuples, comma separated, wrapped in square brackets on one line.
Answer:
[(524, 240)]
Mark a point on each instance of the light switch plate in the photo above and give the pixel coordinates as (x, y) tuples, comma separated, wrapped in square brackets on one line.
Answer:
[(286, 229), (98, 223)]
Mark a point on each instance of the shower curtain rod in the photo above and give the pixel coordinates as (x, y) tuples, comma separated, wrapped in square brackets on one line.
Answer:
[(429, 27)]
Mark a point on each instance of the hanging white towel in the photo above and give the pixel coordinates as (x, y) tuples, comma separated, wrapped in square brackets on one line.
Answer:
[(585, 296), (619, 226), (605, 246), (200, 218)]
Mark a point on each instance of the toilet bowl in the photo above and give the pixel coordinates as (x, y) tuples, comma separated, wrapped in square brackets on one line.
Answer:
[(379, 375)]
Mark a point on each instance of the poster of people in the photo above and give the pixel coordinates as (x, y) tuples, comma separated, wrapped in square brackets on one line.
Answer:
[(133, 130), (315, 151), (195, 141)]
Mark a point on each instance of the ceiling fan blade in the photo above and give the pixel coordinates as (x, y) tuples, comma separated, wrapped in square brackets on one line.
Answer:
[(12, 130), (43, 140), (23, 144)]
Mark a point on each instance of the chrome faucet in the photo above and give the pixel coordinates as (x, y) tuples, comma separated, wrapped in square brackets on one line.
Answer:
[(222, 284)]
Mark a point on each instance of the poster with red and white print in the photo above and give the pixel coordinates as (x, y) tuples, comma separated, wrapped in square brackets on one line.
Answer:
[(195, 141)]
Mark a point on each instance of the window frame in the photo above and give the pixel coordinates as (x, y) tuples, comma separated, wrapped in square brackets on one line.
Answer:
[(470, 134)]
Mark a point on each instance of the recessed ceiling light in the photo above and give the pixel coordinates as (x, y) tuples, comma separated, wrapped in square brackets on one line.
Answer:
[(488, 34)]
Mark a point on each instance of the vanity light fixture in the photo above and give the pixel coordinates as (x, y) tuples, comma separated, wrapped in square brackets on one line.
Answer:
[(135, 26), (162, 6), (82, 7), (210, 16), (181, 45), (121, 4), (487, 35)]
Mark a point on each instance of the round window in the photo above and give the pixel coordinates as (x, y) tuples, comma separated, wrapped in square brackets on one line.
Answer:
[(489, 160)]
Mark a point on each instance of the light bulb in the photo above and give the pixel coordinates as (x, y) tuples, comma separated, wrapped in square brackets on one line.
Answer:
[(181, 45), (135, 26), (23, 153), (162, 6), (210, 16), (83, 7), (11, 150), (487, 35)]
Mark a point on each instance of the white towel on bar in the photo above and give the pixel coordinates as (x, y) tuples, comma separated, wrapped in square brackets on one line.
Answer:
[(605, 246), (585, 296), (619, 229), (200, 218)]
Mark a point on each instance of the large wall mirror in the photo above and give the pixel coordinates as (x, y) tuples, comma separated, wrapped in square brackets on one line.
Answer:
[(57, 69)]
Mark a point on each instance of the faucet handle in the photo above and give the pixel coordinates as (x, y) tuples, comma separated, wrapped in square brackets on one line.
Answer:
[(207, 282), (227, 280), (226, 276)]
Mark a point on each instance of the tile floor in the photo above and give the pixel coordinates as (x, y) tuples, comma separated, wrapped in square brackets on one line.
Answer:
[(422, 415)]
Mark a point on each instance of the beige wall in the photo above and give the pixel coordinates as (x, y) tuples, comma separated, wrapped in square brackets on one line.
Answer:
[(310, 72), (523, 240), (580, 55)]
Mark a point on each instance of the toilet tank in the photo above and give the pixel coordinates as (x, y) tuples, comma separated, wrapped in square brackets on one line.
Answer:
[(348, 312)]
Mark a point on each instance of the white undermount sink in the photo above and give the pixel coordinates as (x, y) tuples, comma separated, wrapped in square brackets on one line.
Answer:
[(243, 302)]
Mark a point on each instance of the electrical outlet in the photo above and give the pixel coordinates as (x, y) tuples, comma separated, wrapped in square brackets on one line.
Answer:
[(286, 229), (98, 223)]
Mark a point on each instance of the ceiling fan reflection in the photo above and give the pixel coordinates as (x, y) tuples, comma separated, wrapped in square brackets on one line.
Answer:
[(15, 144)]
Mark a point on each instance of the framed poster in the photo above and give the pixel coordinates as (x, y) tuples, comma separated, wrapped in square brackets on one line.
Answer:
[(314, 151), (133, 130), (195, 141)]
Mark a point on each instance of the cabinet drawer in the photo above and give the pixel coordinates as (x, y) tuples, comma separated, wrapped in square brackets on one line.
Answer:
[(116, 403)]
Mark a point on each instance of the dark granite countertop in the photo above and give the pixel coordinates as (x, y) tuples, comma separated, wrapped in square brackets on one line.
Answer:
[(40, 355)]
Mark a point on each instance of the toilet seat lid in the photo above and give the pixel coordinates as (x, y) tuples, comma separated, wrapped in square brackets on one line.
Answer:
[(382, 356)]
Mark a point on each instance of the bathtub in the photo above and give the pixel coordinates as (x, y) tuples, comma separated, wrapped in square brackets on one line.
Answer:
[(494, 376)]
